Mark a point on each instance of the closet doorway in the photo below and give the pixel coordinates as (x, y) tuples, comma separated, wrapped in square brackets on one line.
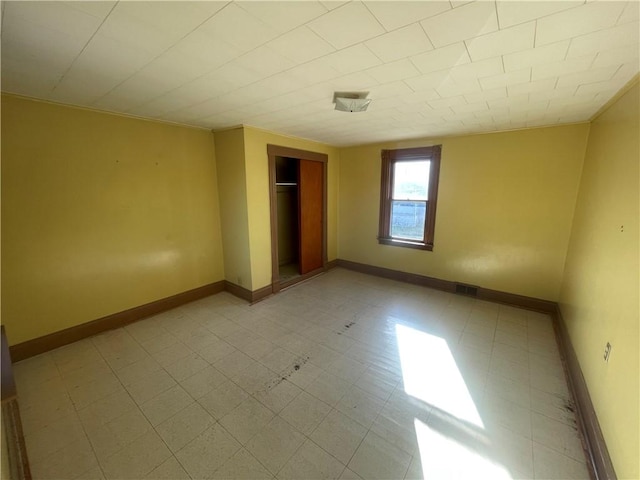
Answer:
[(298, 183)]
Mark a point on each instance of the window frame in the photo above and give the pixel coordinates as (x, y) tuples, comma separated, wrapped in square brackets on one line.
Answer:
[(389, 159)]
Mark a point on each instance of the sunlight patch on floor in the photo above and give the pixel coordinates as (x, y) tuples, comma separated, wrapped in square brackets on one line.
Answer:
[(430, 374), (443, 457)]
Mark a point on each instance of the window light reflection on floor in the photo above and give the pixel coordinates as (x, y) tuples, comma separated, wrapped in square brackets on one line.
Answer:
[(454, 443), (430, 374), (443, 457)]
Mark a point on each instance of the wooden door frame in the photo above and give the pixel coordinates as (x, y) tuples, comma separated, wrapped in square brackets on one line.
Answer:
[(274, 151)]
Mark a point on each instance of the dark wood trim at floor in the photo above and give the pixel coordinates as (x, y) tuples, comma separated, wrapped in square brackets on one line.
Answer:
[(598, 459), (237, 290), (486, 294), (69, 335)]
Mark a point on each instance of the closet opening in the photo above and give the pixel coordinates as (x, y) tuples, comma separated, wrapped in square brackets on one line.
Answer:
[(288, 225), (298, 214)]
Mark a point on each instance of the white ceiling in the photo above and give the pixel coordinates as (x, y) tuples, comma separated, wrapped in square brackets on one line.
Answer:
[(432, 67)]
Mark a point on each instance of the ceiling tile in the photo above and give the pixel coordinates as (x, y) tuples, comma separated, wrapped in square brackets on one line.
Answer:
[(211, 52), (347, 25), (264, 61), (590, 76), (617, 56), (176, 19), (349, 60), (473, 107), (431, 80), (51, 49), (300, 45), (441, 58), (536, 56), (564, 67), (283, 16), (234, 74), (502, 42), (537, 86), (237, 27), (353, 81), (513, 13), (461, 23), (59, 16), (485, 95), (447, 102), (216, 64), (331, 5), (421, 96), (175, 67), (631, 12), (510, 102), (483, 68), (398, 70), (609, 86), (451, 88), (130, 30), (27, 78), (97, 9), (577, 21), (313, 72), (402, 43), (506, 79), (396, 14), (82, 86), (545, 95), (610, 38)]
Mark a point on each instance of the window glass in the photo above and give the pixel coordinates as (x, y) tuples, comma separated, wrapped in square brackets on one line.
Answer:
[(407, 219), (411, 180)]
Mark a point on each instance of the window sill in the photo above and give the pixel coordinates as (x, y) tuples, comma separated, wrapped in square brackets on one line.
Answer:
[(405, 243)]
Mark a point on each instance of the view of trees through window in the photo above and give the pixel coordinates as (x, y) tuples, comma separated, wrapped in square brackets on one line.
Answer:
[(409, 201)]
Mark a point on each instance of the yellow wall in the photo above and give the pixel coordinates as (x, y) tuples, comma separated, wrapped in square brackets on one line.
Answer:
[(100, 213), (234, 216), (600, 291), (257, 168), (505, 204)]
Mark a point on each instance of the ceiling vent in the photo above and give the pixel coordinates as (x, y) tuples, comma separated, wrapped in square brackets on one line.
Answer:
[(351, 101)]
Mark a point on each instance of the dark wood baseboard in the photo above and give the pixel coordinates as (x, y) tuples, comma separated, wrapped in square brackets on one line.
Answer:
[(54, 340), (521, 301), (598, 458), (331, 264), (261, 294), (246, 294), (238, 291)]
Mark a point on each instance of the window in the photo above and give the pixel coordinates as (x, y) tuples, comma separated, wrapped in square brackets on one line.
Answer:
[(408, 195)]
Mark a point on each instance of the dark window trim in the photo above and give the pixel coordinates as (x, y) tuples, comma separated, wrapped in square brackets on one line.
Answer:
[(389, 158)]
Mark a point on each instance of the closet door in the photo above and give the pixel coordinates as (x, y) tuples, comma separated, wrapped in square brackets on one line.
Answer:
[(310, 192)]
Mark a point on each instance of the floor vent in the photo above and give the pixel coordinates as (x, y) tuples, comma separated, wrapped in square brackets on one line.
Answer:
[(463, 289)]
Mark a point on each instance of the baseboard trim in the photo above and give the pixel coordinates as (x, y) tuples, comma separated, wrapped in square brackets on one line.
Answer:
[(69, 335), (238, 291), (261, 294), (246, 294), (331, 264), (598, 457), (521, 301)]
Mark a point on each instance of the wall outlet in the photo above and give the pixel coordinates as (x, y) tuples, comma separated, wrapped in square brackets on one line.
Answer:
[(607, 352)]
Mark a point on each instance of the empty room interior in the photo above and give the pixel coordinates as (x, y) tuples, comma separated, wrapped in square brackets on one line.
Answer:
[(318, 239)]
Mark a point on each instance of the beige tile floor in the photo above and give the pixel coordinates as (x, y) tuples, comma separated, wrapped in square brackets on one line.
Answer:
[(343, 376)]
